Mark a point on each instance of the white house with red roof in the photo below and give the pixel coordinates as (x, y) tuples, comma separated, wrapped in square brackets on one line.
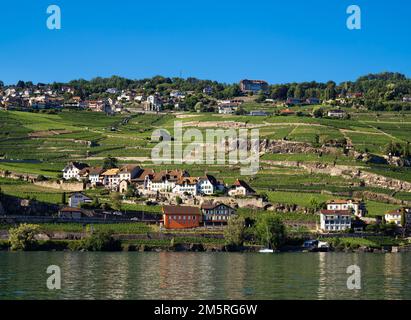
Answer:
[(240, 188), (335, 220)]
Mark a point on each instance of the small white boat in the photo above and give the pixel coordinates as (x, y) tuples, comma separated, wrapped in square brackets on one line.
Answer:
[(267, 248)]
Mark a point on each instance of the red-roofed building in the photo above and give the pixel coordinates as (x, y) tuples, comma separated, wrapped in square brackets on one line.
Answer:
[(181, 217), (240, 188)]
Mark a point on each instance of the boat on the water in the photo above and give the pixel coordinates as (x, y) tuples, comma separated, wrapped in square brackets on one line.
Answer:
[(316, 246), (266, 250)]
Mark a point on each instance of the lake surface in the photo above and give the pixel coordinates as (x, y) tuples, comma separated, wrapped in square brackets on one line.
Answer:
[(169, 275)]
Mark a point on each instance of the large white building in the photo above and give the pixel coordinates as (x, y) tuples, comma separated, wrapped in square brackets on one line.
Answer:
[(72, 170), (356, 206), (335, 220)]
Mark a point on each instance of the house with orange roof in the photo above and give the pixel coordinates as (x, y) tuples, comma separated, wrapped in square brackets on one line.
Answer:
[(165, 181), (357, 207), (186, 185)]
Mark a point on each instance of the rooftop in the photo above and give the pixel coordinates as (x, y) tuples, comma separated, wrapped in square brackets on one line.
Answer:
[(181, 210), (336, 212)]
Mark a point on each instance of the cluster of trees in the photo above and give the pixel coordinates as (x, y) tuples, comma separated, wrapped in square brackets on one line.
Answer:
[(267, 229), (396, 149), (381, 91), (23, 237), (387, 86), (159, 84)]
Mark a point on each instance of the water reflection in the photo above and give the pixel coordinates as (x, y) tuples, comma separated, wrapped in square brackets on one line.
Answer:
[(169, 275)]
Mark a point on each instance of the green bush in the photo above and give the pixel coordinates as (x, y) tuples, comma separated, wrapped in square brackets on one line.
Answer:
[(100, 241), (23, 236)]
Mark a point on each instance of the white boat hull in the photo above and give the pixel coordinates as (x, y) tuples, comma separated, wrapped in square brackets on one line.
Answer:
[(266, 250)]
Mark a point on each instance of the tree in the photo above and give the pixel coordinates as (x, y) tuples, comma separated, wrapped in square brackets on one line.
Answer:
[(100, 241), (23, 236), (407, 152), (234, 232), (179, 200), (116, 201), (63, 198), (403, 218), (270, 230), (261, 97), (110, 162), (314, 204), (131, 191), (41, 178), (199, 106), (393, 149), (318, 113)]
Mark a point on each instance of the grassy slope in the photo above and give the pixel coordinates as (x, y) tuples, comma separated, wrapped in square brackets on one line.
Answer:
[(368, 131)]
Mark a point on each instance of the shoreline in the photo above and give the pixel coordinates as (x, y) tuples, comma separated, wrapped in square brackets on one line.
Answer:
[(72, 246)]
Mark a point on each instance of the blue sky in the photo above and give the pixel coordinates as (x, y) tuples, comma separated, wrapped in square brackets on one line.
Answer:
[(224, 40)]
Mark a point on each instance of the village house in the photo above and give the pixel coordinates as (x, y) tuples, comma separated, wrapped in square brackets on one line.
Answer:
[(287, 112), (98, 105), (165, 181), (293, 101), (181, 217), (358, 225), (216, 213), (95, 175), (335, 220), (73, 103), (254, 86), (72, 170), (154, 103), (186, 185), (209, 185), (258, 113), (111, 178), (177, 94), (313, 101), (337, 113), (208, 90), (143, 178), (356, 206), (78, 198), (129, 172), (240, 188), (112, 90), (394, 217), (70, 213), (227, 108)]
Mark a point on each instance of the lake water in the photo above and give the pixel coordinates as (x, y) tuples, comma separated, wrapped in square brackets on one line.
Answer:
[(169, 275)]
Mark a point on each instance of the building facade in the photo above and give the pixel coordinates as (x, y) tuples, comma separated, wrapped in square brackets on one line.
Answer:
[(335, 220), (181, 217), (216, 213)]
